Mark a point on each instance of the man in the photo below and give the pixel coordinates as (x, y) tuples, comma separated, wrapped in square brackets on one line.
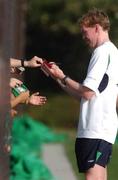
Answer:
[(98, 122)]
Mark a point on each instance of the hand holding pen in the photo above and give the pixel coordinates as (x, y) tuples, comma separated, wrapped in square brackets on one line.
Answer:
[(47, 67)]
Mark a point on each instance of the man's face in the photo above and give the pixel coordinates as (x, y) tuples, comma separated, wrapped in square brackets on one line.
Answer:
[(90, 35)]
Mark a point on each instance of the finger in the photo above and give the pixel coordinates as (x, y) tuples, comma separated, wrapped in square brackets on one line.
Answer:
[(19, 83), (36, 94), (40, 60), (42, 97)]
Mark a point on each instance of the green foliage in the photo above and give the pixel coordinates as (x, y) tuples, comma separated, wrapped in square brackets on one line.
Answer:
[(28, 136), (112, 168), (57, 15)]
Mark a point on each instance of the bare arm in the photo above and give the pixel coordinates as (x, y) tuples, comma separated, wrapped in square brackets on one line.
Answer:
[(23, 97), (76, 89), (36, 99), (70, 86), (34, 62)]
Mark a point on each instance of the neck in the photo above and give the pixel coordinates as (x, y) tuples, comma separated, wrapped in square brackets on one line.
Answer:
[(104, 37)]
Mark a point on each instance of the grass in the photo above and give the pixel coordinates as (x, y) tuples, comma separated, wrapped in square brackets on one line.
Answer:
[(113, 166)]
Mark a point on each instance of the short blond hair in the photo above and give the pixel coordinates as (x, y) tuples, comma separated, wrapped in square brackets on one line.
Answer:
[(95, 16)]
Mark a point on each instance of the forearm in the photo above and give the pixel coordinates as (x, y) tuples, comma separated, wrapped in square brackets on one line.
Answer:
[(76, 89), (34, 62), (14, 102), (71, 90), (17, 62)]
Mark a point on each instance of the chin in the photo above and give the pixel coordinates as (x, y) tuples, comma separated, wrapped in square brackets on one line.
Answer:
[(91, 45)]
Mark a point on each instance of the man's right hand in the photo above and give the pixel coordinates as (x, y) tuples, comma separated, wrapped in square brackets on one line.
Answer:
[(55, 72)]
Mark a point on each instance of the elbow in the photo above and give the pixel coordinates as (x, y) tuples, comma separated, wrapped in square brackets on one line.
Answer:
[(88, 96)]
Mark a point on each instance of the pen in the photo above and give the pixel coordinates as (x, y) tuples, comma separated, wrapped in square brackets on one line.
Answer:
[(57, 63)]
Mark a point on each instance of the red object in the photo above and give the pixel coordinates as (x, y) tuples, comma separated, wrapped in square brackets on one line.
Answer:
[(45, 62)]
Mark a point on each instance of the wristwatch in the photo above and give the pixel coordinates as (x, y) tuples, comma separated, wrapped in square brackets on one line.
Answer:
[(22, 63), (64, 80)]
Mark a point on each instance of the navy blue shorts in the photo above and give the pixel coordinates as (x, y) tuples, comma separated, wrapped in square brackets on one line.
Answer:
[(92, 151)]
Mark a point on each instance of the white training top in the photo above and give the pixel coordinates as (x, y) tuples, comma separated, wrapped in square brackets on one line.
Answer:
[(98, 117)]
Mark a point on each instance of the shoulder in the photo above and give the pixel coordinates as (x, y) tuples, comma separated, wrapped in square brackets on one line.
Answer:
[(104, 50)]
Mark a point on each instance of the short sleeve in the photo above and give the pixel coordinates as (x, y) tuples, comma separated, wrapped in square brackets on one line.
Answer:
[(97, 68)]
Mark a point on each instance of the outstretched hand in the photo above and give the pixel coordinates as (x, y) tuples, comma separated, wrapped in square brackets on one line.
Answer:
[(35, 99)]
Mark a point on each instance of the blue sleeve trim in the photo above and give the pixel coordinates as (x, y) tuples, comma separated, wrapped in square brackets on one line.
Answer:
[(103, 83)]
